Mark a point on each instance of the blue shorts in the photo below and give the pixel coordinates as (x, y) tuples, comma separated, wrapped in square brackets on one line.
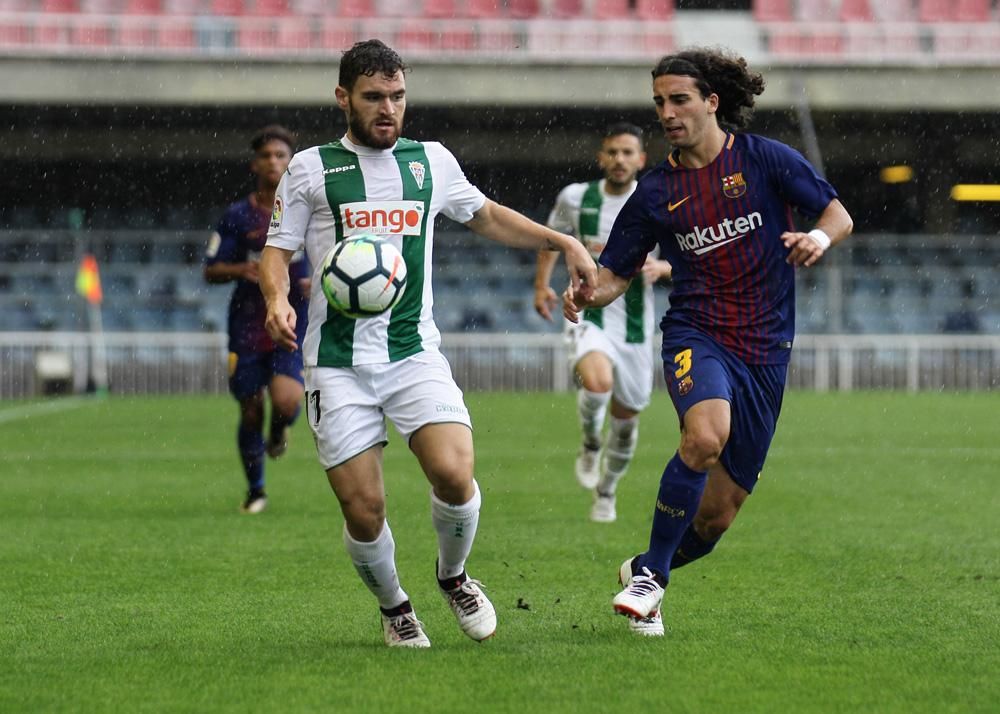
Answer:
[(697, 367), (252, 371)]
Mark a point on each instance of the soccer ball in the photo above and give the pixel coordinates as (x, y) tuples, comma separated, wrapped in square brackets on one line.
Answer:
[(363, 276)]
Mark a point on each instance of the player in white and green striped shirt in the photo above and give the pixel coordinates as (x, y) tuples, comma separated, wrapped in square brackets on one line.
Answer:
[(359, 371), (611, 349)]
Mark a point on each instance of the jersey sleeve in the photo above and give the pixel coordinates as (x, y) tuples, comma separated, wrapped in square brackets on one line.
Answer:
[(462, 199), (223, 244), (796, 179), (292, 207), (561, 217), (632, 237)]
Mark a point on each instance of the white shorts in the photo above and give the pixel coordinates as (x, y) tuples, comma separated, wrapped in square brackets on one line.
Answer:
[(632, 362), (346, 406)]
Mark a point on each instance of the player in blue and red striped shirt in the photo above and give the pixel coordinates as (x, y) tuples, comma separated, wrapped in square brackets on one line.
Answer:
[(720, 209)]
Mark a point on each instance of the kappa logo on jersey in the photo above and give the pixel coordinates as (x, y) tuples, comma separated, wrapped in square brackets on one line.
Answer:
[(733, 186), (382, 217), (702, 240), (417, 169), (276, 213), (339, 169)]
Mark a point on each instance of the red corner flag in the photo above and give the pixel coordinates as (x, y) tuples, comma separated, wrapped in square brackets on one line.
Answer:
[(88, 280)]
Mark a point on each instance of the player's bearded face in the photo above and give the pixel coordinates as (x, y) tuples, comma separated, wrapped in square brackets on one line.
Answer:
[(375, 109), (621, 157)]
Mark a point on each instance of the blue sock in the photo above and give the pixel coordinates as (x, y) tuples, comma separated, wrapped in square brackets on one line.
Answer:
[(691, 548), (251, 445), (676, 504)]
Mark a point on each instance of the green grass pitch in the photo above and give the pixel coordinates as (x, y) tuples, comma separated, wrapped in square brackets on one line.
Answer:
[(863, 575)]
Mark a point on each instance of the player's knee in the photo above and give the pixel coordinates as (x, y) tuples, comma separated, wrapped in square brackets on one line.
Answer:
[(364, 515), (701, 449), (600, 383), (286, 406)]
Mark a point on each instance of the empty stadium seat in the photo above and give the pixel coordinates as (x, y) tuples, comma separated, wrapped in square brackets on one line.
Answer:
[(142, 7), (271, 8), (483, 8), (893, 10), (935, 10), (175, 33), (294, 33), (337, 33), (525, 9), (816, 10), (856, 11), (227, 8), (440, 8), (558, 8), (611, 9), (654, 9), (772, 10), (356, 8), (59, 6), (972, 10)]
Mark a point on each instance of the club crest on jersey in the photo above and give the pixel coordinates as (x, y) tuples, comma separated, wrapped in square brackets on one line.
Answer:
[(417, 169), (733, 186), (276, 212), (685, 385)]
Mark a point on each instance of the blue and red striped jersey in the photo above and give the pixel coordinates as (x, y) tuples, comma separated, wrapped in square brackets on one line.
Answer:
[(720, 227), (241, 235)]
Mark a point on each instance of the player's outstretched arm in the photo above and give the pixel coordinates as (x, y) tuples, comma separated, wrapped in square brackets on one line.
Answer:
[(608, 287), (280, 321), (833, 225), (545, 297), (509, 227)]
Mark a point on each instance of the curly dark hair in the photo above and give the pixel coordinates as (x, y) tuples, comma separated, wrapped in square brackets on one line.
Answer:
[(369, 58), (721, 72)]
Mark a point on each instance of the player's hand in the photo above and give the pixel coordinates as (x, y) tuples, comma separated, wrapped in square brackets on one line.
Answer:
[(653, 270), (574, 300), (280, 324), (249, 271), (582, 268), (803, 250), (545, 301)]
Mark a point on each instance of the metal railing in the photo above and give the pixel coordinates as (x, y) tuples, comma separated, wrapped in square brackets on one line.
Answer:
[(195, 363)]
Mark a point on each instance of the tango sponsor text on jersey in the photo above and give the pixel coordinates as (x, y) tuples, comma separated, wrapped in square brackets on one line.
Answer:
[(341, 189), (720, 227), (239, 238)]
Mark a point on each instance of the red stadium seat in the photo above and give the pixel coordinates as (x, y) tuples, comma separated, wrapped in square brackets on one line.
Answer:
[(227, 8), (14, 33), (426, 35), (271, 8), (936, 10), (856, 11), (772, 10), (337, 34), (972, 10), (524, 8), (356, 8), (483, 8), (654, 9), (294, 33), (440, 8), (559, 8), (63, 6), (91, 34), (142, 7), (136, 33), (175, 33), (611, 9)]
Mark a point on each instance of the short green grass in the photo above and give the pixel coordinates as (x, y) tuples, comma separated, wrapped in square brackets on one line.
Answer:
[(863, 575)]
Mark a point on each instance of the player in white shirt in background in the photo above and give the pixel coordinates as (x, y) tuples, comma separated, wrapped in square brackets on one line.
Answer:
[(611, 349), (360, 371)]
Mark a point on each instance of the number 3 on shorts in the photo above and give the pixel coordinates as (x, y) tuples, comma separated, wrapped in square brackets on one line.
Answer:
[(683, 361)]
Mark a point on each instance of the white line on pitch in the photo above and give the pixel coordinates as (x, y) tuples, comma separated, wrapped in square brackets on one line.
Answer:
[(30, 410)]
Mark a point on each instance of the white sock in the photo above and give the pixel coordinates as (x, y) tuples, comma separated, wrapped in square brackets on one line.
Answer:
[(592, 406), (376, 564), (619, 449), (456, 530)]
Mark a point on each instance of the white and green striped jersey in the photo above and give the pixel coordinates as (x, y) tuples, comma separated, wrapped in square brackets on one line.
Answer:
[(587, 212), (342, 189)]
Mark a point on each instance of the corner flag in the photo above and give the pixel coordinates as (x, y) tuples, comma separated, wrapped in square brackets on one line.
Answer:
[(88, 280)]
